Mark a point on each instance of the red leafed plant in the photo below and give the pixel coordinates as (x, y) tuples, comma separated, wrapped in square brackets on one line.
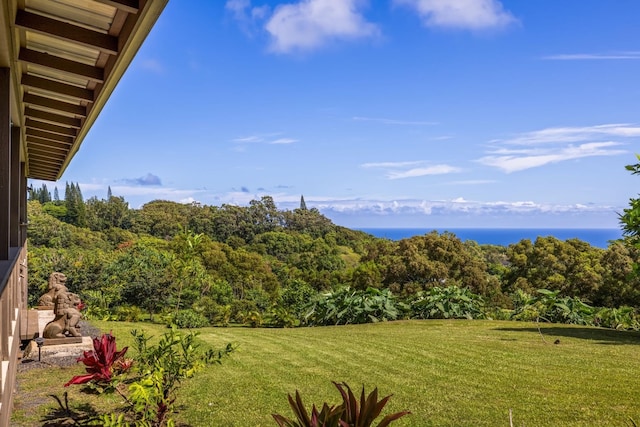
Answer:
[(350, 413), (101, 361)]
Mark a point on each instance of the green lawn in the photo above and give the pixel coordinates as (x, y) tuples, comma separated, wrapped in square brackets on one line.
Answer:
[(447, 373)]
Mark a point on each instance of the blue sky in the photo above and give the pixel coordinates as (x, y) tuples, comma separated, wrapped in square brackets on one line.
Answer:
[(389, 113)]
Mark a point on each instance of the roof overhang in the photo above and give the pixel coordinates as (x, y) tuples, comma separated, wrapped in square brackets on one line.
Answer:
[(66, 57)]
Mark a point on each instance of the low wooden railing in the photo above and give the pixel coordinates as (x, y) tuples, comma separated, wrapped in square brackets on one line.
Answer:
[(13, 299)]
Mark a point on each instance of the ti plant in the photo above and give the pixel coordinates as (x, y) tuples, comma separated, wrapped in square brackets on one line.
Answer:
[(350, 413), (101, 362), (151, 383)]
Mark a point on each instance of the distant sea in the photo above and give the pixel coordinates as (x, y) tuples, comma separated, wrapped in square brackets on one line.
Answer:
[(597, 237)]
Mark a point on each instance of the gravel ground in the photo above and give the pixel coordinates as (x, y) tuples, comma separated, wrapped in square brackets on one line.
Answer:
[(66, 358)]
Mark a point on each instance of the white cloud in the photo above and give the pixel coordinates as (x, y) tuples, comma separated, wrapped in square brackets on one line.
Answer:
[(238, 7), (402, 170), (268, 138), (573, 134), (510, 163), (309, 24), (416, 172), (593, 56), (245, 15), (417, 212), (514, 163), (152, 65), (249, 139), (461, 14), (443, 208), (553, 145), (283, 141)]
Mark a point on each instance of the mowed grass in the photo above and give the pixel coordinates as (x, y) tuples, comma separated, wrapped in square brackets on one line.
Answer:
[(447, 373)]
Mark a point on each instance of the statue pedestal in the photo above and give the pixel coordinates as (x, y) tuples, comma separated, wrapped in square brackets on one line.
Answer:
[(63, 341), (45, 316), (29, 325)]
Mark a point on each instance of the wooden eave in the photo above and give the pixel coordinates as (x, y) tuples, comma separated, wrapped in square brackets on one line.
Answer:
[(66, 57)]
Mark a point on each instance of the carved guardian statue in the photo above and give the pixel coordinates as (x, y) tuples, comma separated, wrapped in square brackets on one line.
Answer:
[(56, 284), (67, 311)]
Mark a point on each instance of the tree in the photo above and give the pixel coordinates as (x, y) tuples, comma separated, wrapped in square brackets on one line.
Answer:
[(620, 286), (264, 216), (630, 218), (160, 218), (434, 259), (143, 274), (105, 214), (308, 221), (572, 267), (41, 194), (76, 211)]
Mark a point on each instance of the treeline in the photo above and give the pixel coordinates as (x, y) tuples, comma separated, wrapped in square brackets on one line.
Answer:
[(261, 265)]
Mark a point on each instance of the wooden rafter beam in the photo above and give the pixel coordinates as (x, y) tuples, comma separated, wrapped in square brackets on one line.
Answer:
[(41, 156), (49, 166), (35, 157), (43, 171), (56, 63), (33, 140), (48, 174), (45, 161), (52, 117), (63, 30), (39, 151), (129, 6), (66, 107), (57, 87), (61, 130), (43, 152), (50, 136), (40, 174)]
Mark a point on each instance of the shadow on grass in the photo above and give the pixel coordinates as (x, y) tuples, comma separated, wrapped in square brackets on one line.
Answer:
[(602, 335), (69, 415), (83, 414)]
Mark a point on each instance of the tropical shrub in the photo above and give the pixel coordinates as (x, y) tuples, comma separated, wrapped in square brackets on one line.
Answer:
[(188, 319), (350, 413), (217, 314), (451, 302), (617, 318), (252, 318), (161, 369), (280, 317), (550, 307), (295, 296), (149, 382), (101, 363), (128, 313), (346, 306)]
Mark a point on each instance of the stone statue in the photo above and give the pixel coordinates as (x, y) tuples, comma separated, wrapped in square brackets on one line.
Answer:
[(56, 284), (67, 311)]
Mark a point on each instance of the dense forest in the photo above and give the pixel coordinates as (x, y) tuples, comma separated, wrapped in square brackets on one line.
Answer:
[(202, 265)]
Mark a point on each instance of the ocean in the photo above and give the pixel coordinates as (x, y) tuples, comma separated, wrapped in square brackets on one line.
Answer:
[(597, 237)]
